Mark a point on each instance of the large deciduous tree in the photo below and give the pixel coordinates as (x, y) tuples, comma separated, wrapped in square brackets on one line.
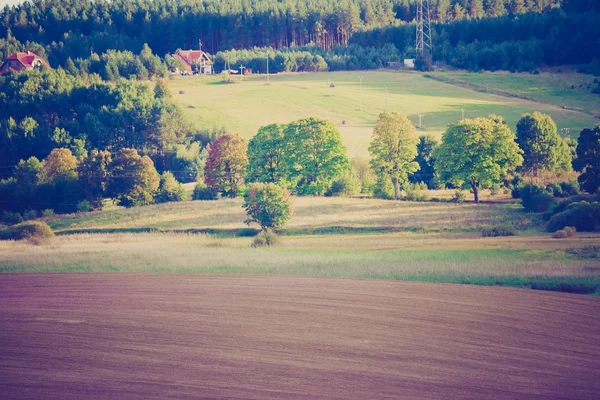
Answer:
[(588, 159), (133, 179), (94, 172), (543, 148), (315, 155), (393, 149), (477, 152), (266, 155), (60, 164), (226, 164)]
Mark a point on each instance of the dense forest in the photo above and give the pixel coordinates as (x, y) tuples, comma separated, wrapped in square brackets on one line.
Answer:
[(78, 29)]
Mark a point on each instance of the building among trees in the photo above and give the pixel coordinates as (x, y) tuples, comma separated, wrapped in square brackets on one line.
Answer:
[(194, 60), (20, 61)]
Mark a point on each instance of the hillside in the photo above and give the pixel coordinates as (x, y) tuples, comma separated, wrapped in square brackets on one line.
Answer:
[(250, 103)]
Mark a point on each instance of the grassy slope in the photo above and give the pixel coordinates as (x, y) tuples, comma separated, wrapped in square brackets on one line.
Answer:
[(568, 89), (245, 106), (436, 242)]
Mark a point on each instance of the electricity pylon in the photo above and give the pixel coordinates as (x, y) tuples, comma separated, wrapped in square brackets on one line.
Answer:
[(423, 44)]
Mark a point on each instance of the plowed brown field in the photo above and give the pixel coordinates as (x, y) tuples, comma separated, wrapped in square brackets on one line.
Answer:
[(122, 336)]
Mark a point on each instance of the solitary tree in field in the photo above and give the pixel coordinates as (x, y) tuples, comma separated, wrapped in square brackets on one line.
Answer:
[(266, 152), (477, 152), (394, 148), (268, 205), (588, 159), (315, 155), (543, 148), (133, 178), (226, 164)]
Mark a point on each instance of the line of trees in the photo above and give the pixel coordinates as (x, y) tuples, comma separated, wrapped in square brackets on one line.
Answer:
[(308, 158), (65, 183), (509, 43), (113, 38), (40, 111)]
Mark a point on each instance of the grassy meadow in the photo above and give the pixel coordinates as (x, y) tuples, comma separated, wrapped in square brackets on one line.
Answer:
[(251, 102), (327, 237), (339, 237)]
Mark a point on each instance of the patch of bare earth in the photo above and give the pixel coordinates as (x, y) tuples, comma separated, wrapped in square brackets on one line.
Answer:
[(152, 336)]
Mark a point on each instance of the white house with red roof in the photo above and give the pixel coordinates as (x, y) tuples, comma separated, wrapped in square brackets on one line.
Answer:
[(20, 61), (195, 57)]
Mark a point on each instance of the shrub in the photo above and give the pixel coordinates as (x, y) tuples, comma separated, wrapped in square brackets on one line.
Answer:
[(495, 189), (583, 216), (570, 188), (347, 185), (47, 212), (459, 197), (535, 199), (500, 230), (540, 202), (416, 195), (203, 192), (568, 231), (10, 218), (169, 189), (30, 214), (36, 232), (516, 185), (84, 206), (265, 238), (384, 189), (268, 205), (554, 189)]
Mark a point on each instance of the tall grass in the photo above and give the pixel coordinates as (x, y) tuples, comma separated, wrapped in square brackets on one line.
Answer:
[(434, 258)]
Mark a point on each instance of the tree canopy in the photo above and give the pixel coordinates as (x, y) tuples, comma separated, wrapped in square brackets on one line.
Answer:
[(543, 148), (133, 180), (477, 152), (393, 149), (315, 155), (588, 159), (266, 152), (226, 165), (268, 205)]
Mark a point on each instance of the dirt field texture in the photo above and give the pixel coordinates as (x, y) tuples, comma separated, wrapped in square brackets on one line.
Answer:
[(157, 336)]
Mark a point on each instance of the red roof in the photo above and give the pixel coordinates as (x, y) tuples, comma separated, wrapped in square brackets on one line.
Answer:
[(24, 61), (189, 56)]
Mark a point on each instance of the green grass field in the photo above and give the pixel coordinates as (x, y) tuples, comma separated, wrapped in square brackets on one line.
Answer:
[(339, 237), (250, 103), (330, 237)]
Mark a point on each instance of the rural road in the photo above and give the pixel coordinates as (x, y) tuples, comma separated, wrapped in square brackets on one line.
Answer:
[(154, 336)]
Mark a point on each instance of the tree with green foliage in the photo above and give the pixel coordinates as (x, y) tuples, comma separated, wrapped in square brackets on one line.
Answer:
[(226, 165), (169, 189), (477, 152), (393, 149), (315, 155), (27, 172), (268, 205), (543, 148), (94, 173), (266, 152), (133, 178), (588, 159), (426, 171), (161, 90)]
